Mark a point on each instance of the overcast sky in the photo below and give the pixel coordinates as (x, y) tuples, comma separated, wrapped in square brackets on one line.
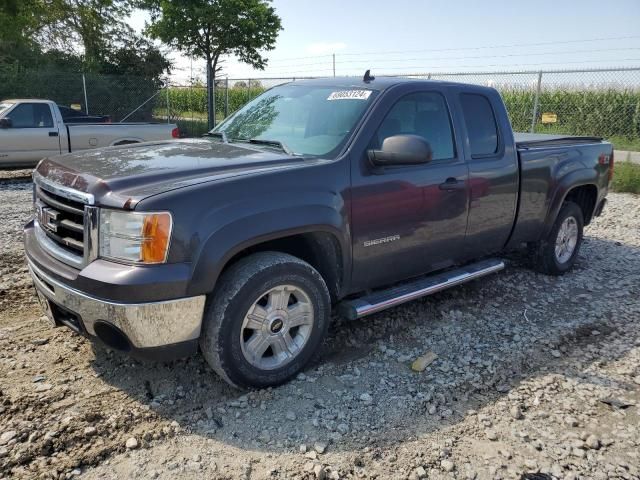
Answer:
[(409, 36)]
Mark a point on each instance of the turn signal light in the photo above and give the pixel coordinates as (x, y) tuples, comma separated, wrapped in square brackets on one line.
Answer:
[(156, 232)]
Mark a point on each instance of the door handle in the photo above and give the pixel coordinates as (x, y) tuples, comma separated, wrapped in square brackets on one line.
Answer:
[(53, 134), (453, 184)]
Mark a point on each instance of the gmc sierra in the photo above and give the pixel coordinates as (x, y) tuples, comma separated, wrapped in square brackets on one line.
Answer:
[(353, 194)]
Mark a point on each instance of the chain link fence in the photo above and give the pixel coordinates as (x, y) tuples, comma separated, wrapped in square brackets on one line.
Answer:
[(603, 103), (120, 97), (575, 102)]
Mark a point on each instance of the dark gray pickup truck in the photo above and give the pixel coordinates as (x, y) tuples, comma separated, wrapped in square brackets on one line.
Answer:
[(338, 194)]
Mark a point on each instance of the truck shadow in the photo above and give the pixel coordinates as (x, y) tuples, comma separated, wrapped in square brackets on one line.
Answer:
[(490, 336)]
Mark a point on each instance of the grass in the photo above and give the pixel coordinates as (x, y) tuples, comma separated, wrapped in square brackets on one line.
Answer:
[(626, 177), (623, 143)]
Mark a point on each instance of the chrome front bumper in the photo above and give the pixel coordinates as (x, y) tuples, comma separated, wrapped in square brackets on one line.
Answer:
[(146, 325)]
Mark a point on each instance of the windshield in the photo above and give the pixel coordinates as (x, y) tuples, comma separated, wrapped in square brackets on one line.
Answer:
[(305, 120), (5, 106)]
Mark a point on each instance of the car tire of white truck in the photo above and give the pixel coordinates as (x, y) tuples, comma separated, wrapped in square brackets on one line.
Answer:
[(556, 254), (266, 320)]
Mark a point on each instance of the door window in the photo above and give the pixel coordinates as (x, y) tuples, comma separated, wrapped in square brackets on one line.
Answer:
[(31, 115), (424, 114), (481, 124)]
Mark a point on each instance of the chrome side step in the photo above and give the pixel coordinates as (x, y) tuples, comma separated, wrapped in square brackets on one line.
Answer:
[(423, 286)]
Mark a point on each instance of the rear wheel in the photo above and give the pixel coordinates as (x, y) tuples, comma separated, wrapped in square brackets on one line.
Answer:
[(266, 320), (558, 252)]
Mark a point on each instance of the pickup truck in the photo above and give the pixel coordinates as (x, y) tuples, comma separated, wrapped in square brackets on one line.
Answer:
[(33, 129), (319, 196)]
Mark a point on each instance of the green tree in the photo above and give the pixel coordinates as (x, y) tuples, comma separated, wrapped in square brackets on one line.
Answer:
[(213, 29), (19, 25), (97, 26)]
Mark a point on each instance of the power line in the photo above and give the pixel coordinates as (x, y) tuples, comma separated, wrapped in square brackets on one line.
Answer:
[(563, 42), (496, 46), (519, 64), (351, 62), (430, 67)]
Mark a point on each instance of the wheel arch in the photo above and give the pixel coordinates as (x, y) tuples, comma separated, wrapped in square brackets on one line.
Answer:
[(580, 186), (125, 141), (320, 245)]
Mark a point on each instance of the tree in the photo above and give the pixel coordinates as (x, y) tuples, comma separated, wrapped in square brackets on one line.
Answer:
[(19, 24), (90, 35), (213, 29), (98, 26)]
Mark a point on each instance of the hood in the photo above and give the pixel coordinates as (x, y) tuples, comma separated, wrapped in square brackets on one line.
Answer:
[(122, 176)]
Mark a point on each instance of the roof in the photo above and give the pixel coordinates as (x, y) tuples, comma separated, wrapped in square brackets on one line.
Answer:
[(379, 83), (30, 100)]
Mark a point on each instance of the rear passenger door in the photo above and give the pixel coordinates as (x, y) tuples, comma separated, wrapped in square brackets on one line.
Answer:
[(408, 220), (31, 137), (493, 170)]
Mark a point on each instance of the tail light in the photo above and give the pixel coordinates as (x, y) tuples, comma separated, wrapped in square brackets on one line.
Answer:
[(175, 133), (605, 159)]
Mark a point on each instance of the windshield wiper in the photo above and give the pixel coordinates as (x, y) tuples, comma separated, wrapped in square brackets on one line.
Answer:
[(221, 135), (272, 143)]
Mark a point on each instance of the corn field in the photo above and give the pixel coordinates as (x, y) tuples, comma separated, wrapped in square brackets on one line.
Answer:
[(604, 107), (603, 113)]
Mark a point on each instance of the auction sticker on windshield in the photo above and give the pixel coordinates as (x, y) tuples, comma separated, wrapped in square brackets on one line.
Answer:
[(350, 95)]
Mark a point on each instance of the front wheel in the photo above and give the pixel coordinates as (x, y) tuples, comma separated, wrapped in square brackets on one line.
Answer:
[(558, 252), (266, 320)]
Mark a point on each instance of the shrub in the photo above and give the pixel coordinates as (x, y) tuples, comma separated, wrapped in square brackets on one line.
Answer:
[(626, 177)]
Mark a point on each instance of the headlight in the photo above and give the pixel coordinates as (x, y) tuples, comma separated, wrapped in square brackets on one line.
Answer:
[(135, 237)]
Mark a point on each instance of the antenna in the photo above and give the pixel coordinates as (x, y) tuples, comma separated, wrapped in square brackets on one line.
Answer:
[(368, 77)]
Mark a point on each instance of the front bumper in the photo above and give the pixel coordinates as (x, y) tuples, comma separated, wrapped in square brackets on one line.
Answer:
[(160, 329)]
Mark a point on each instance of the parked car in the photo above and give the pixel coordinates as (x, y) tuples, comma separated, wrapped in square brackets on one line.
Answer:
[(317, 195), (70, 115), (33, 129)]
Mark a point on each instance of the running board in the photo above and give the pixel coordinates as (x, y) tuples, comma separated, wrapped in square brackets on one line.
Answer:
[(423, 286)]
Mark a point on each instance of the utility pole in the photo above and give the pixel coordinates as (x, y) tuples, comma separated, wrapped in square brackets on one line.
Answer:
[(536, 102), (211, 116), (334, 64)]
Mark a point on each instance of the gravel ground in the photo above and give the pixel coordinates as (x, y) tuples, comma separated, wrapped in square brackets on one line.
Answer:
[(529, 374)]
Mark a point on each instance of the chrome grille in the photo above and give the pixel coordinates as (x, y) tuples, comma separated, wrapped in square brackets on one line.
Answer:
[(62, 220), (66, 224)]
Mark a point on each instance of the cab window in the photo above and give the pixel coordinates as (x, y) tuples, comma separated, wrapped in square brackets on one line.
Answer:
[(31, 115), (424, 114), (481, 124)]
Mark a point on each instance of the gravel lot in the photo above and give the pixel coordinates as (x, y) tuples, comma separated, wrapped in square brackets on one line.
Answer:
[(533, 374)]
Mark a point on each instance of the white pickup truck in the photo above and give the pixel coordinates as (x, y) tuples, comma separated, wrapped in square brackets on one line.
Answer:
[(33, 129)]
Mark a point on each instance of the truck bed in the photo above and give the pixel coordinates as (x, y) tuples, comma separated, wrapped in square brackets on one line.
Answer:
[(544, 161), (532, 140)]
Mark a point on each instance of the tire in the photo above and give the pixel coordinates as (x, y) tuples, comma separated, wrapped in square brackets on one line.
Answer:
[(247, 309), (557, 261)]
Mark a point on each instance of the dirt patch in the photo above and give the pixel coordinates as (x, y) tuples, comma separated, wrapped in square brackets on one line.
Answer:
[(524, 361)]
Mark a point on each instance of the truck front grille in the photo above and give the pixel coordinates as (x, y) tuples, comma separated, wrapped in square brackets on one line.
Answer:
[(61, 219), (64, 218)]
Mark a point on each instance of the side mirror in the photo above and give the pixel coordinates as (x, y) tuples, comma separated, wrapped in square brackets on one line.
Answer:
[(5, 122), (402, 150)]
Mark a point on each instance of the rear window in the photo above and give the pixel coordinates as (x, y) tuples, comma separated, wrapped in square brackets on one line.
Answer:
[(481, 124)]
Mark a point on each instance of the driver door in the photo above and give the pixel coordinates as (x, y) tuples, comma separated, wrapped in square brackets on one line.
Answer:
[(409, 220), (31, 136)]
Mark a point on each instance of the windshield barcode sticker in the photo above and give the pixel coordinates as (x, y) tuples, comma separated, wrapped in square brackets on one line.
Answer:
[(350, 95)]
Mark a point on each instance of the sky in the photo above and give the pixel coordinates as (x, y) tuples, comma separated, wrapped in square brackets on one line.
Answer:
[(421, 36)]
